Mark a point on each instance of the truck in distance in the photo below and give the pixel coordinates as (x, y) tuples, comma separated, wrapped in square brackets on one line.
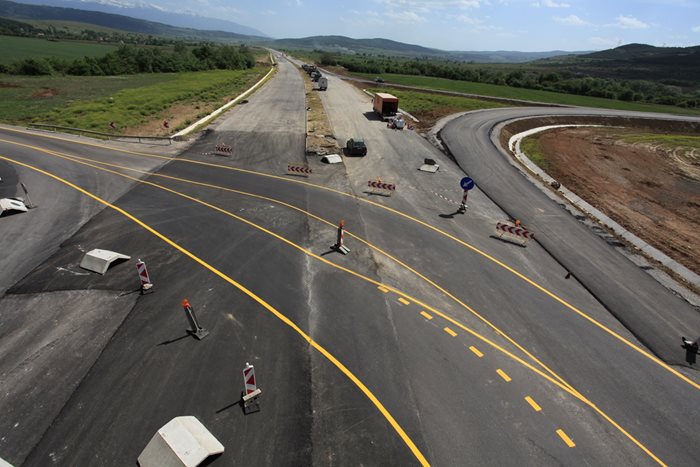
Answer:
[(385, 105), (322, 83)]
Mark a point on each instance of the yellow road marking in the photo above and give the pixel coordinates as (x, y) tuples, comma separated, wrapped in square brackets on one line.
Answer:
[(503, 375), (426, 315), (450, 332), (476, 351), (383, 289), (565, 438), (401, 214), (404, 301), (532, 403), (556, 382), (411, 445)]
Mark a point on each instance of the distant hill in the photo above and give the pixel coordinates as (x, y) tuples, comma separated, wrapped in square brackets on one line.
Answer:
[(678, 66), (348, 45), (20, 11), (148, 12)]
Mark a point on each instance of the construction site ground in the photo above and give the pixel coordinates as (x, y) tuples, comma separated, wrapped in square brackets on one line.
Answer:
[(651, 189)]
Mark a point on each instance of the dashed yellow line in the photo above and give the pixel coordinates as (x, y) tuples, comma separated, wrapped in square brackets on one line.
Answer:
[(556, 381), (383, 289), (476, 351), (503, 375), (427, 316), (404, 301), (533, 404), (565, 438), (406, 216), (450, 332), (282, 317)]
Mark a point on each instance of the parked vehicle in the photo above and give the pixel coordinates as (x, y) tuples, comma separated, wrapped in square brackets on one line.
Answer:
[(385, 105), (378, 80), (397, 123), (322, 83), (355, 147)]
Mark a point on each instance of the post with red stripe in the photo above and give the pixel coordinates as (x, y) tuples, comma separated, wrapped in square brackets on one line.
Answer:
[(251, 391), (196, 330), (146, 284), (339, 246)]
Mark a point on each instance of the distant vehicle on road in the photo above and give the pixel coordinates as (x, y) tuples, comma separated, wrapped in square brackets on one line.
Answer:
[(356, 147), (322, 83), (385, 105), (378, 80)]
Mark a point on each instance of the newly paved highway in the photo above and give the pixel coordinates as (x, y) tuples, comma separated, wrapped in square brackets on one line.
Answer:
[(431, 342)]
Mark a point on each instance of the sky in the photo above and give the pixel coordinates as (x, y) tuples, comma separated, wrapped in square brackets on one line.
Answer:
[(523, 25)]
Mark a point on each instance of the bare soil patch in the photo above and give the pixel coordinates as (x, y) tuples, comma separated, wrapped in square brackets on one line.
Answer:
[(45, 92), (319, 134), (651, 190)]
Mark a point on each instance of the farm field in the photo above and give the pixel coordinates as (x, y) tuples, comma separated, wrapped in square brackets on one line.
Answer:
[(135, 103), (524, 94), (19, 48)]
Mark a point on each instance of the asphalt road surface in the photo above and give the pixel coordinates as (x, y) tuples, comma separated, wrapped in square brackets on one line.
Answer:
[(431, 342)]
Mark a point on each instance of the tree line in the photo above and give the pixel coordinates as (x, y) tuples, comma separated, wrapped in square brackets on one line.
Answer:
[(519, 76), (129, 59)]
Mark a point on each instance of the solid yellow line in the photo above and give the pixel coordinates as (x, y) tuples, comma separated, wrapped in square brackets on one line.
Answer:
[(411, 445), (383, 289), (503, 375), (450, 332), (426, 315), (564, 387), (399, 213), (565, 438), (533, 404), (404, 301), (476, 351)]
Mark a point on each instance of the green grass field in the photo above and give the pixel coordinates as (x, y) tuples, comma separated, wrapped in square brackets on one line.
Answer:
[(525, 94), (19, 48), (129, 101), (418, 102)]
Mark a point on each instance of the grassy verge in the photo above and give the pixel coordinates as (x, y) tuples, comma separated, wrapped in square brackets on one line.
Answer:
[(19, 48), (687, 142), (526, 94), (531, 147), (129, 101)]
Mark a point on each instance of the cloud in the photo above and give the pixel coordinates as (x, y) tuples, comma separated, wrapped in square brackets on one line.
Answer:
[(427, 5), (629, 22), (406, 17), (549, 4), (696, 29), (468, 20), (605, 42), (571, 20)]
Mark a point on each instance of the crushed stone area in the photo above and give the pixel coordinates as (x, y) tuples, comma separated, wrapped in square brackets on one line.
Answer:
[(651, 190)]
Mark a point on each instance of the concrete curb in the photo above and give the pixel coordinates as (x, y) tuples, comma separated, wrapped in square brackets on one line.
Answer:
[(221, 109), (571, 197)]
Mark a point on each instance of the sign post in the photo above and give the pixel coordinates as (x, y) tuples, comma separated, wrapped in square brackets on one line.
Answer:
[(467, 184)]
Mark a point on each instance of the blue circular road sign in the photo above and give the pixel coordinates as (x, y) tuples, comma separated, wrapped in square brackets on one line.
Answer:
[(466, 183)]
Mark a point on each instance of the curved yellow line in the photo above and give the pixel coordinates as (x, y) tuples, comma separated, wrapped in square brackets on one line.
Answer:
[(411, 445), (549, 378), (563, 302)]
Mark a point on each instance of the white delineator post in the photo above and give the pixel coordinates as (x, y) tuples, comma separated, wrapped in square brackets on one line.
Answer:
[(146, 284), (250, 390)]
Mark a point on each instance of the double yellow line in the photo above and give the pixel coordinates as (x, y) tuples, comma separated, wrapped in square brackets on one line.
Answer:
[(558, 381)]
